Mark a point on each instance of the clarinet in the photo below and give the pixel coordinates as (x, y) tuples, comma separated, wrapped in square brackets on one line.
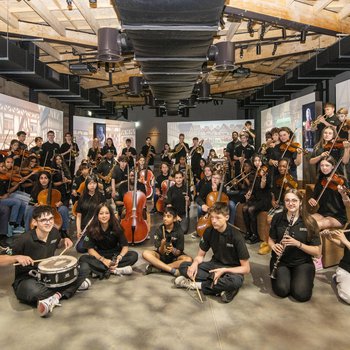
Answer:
[(285, 234)]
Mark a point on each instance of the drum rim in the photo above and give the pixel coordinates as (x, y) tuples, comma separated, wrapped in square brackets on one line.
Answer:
[(43, 270), (63, 284)]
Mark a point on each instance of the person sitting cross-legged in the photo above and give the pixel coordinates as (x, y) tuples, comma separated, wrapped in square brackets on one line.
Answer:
[(223, 274), (169, 243)]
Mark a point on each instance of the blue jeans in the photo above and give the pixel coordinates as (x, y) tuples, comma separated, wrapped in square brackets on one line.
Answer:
[(17, 209), (232, 207), (63, 210)]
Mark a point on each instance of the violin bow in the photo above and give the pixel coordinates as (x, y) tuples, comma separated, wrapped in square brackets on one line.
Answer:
[(3, 144), (284, 178), (289, 142), (336, 136), (329, 180)]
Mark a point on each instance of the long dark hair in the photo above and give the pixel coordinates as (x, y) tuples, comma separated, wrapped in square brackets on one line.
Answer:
[(94, 230), (88, 203), (64, 165), (37, 187)]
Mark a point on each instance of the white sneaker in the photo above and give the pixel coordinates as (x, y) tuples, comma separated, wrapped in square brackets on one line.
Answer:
[(183, 282), (46, 306), (85, 285), (127, 270), (18, 230)]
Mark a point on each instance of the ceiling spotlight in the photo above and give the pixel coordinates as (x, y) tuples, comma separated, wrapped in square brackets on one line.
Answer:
[(303, 36), (262, 31), (93, 3), (275, 45), (250, 28), (241, 52), (284, 33), (258, 49), (69, 5)]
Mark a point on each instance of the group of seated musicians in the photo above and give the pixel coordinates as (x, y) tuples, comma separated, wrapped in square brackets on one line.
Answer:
[(259, 181)]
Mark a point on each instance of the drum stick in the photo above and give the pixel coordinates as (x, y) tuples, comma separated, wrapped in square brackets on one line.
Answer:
[(198, 292), (34, 261), (326, 232), (64, 250)]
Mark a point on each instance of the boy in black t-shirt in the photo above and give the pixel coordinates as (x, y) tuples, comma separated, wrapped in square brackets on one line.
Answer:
[(223, 274), (169, 243)]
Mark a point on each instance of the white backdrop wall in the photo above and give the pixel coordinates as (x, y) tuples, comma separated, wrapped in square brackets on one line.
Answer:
[(34, 119), (342, 91), (119, 131), (216, 133)]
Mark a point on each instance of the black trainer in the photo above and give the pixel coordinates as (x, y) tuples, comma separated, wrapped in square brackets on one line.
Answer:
[(253, 239), (228, 295)]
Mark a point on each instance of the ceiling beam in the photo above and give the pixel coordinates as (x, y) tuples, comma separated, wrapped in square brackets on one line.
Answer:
[(297, 13), (41, 9), (285, 49), (49, 50), (232, 30), (32, 30), (7, 17), (86, 12), (345, 12), (321, 4), (240, 84)]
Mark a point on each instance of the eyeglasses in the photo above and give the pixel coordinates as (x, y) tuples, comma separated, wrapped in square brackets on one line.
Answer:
[(46, 220)]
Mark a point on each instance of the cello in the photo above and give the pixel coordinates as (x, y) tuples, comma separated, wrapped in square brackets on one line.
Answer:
[(213, 197), (134, 225), (51, 197), (165, 185), (146, 176)]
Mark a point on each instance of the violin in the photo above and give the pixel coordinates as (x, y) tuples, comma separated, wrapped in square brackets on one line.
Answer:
[(292, 147), (263, 170), (134, 225), (335, 181), (286, 181), (80, 191), (10, 177), (337, 144)]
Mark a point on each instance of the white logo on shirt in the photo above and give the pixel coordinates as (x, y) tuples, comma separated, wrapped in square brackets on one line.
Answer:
[(229, 245)]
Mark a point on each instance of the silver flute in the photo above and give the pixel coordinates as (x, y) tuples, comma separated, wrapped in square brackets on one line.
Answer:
[(285, 234)]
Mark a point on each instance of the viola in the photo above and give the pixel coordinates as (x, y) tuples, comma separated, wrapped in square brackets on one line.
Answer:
[(134, 225), (336, 181), (292, 147)]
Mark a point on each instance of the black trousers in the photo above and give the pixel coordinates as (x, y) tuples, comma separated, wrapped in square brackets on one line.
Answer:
[(97, 266), (184, 223), (295, 281), (251, 210), (227, 282), (30, 291)]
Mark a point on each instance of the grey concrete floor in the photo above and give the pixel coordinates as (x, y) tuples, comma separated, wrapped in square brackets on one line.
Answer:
[(148, 312)]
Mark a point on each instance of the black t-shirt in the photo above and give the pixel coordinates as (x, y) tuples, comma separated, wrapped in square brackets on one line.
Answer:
[(277, 155), (111, 241), (86, 206), (228, 247), (22, 145), (231, 146), (160, 178), (144, 152), (93, 153), (176, 197), (105, 148), (205, 190), (105, 167), (165, 158), (64, 148), (345, 261), (131, 159), (119, 175), (182, 152), (49, 149), (176, 237), (243, 151), (38, 151), (195, 160), (292, 256), (29, 244), (331, 203)]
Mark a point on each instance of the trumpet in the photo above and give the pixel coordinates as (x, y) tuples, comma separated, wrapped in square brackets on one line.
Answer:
[(317, 121)]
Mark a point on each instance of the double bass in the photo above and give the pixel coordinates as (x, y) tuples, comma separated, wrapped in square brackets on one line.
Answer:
[(134, 225), (213, 197)]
